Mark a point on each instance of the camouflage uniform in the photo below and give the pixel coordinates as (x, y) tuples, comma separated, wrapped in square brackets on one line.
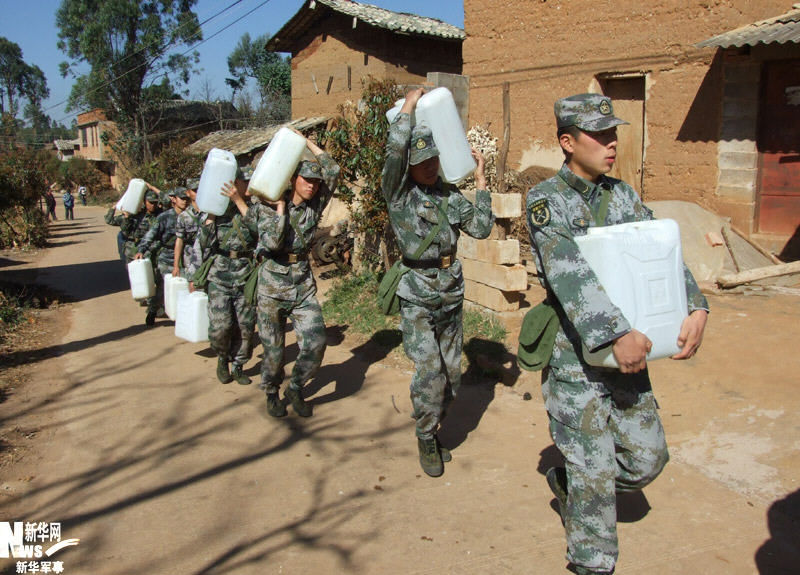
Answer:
[(604, 422), (135, 227), (431, 296), (286, 285), (158, 244), (186, 228), (114, 219), (230, 239)]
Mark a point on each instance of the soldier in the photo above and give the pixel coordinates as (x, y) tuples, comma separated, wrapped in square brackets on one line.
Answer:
[(432, 291), (159, 242), (113, 218), (227, 244), (286, 285), (604, 421), (186, 228)]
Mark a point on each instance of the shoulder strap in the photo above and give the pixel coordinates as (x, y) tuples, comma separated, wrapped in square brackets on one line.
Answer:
[(293, 221), (434, 231)]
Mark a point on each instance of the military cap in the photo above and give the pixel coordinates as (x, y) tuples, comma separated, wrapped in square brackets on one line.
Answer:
[(588, 112), (165, 201), (310, 170), (151, 196), (179, 192), (192, 183), (244, 173), (422, 145)]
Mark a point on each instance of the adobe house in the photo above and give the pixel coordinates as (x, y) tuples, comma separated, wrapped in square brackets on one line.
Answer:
[(694, 109), (93, 144), (336, 43)]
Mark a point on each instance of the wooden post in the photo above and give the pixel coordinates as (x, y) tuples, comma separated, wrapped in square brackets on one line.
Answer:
[(349, 78), (330, 81), (501, 157)]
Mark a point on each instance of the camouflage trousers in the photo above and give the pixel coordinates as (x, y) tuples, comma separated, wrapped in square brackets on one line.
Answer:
[(156, 303), (432, 339), (615, 444), (231, 323), (309, 329)]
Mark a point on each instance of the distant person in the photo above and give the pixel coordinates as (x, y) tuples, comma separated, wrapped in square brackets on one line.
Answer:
[(603, 420), (82, 195), (50, 203), (186, 228), (69, 204)]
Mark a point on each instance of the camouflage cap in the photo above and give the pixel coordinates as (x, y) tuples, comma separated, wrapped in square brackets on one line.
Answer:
[(165, 201), (244, 173), (422, 145), (588, 112), (192, 183), (151, 196), (310, 170), (179, 192)]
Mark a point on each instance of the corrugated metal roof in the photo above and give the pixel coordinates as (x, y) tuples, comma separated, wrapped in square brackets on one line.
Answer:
[(240, 142), (400, 22), (780, 29)]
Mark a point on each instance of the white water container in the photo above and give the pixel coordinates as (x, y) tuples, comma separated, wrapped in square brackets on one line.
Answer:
[(133, 198), (140, 274), (191, 323), (640, 266), (277, 165), (220, 167), (173, 287), (438, 110)]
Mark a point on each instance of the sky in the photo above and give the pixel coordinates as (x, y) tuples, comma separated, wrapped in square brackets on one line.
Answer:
[(31, 24)]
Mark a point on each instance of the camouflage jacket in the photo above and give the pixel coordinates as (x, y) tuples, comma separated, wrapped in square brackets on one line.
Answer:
[(558, 210), (186, 227), (135, 227), (292, 233), (114, 219), (414, 211), (160, 239), (228, 233)]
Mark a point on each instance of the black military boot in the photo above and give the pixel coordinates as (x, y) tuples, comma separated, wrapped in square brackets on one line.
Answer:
[(239, 375), (429, 457), (223, 374), (275, 407), (150, 319), (295, 397), (557, 481)]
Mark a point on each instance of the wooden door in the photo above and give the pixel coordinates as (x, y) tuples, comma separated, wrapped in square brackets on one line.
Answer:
[(627, 96), (779, 149)]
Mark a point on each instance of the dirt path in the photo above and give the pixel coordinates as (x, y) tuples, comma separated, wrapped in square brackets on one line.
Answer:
[(157, 468)]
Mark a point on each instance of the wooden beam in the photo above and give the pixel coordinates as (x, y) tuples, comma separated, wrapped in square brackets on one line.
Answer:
[(503, 153), (748, 276)]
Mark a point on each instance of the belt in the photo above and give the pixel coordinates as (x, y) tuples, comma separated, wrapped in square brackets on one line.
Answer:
[(289, 258), (443, 262), (235, 254)]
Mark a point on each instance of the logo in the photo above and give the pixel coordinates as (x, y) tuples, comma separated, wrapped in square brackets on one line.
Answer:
[(605, 107), (540, 213), (421, 144), (33, 543)]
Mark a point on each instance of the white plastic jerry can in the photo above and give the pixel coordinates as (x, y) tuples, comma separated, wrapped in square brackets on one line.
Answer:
[(220, 167), (140, 275), (438, 110), (133, 198), (173, 287), (191, 322), (640, 266), (277, 165)]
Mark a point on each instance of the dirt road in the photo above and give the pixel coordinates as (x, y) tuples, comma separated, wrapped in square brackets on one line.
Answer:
[(157, 468)]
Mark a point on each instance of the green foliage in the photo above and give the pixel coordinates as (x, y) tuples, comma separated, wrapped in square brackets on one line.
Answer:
[(357, 141), (174, 166), (22, 182), (19, 79), (81, 172), (126, 45)]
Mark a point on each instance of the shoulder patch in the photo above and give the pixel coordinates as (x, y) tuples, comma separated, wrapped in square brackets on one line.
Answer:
[(540, 213)]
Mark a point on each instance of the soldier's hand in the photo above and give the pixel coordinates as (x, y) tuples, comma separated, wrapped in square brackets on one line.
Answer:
[(631, 351), (691, 335), (175, 272), (138, 256), (411, 100), (480, 178), (191, 287)]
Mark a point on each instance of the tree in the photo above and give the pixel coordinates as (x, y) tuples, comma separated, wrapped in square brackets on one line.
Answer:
[(127, 45), (357, 141), (271, 73), (18, 80)]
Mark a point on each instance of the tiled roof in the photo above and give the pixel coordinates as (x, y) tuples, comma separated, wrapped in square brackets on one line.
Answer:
[(240, 142), (66, 144), (780, 29), (400, 22)]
